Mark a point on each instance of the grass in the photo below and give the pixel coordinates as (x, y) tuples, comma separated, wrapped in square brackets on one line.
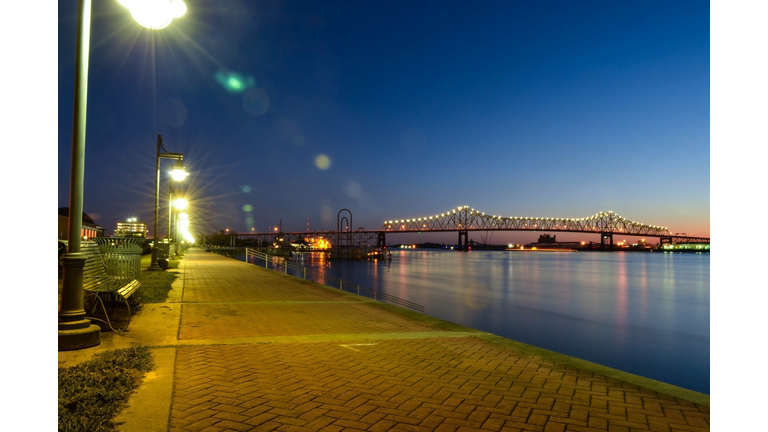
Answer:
[(91, 394), (156, 284)]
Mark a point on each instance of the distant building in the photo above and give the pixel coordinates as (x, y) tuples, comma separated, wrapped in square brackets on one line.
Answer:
[(131, 227), (550, 242), (89, 228), (546, 238)]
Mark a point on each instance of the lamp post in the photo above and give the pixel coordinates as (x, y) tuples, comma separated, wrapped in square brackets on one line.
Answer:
[(170, 211), (178, 174), (75, 330)]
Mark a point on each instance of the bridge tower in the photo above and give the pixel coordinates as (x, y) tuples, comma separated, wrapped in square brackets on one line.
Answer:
[(606, 236), (465, 234), (382, 241)]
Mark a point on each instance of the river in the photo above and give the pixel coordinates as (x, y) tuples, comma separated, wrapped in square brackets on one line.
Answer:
[(643, 313)]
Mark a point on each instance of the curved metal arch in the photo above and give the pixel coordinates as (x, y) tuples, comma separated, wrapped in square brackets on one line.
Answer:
[(338, 220)]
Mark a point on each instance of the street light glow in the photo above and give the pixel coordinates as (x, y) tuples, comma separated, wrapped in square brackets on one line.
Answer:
[(179, 173), (155, 14), (181, 204)]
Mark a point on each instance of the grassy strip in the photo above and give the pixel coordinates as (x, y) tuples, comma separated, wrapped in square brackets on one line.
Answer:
[(172, 263), (91, 394), (155, 285)]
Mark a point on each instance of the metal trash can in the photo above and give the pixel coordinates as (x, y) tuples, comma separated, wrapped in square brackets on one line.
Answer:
[(122, 255)]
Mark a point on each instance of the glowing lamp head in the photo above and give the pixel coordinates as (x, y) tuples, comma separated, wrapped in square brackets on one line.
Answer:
[(179, 173), (155, 14), (181, 204)]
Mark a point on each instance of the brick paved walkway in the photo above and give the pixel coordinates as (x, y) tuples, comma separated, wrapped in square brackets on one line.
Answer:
[(326, 360)]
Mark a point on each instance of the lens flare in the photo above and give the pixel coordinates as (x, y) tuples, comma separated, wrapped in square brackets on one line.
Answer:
[(322, 162), (173, 112), (256, 102), (234, 82), (476, 297), (353, 189)]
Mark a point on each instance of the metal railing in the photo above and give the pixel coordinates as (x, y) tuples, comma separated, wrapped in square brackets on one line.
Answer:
[(281, 264)]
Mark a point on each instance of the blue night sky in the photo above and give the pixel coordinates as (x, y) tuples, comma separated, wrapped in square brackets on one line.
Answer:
[(545, 109)]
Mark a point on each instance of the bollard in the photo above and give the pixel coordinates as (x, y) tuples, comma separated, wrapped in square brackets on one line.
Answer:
[(246, 254), (340, 283), (266, 261), (358, 289), (305, 273), (285, 263)]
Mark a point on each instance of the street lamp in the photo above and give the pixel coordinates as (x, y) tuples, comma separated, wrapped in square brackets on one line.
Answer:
[(177, 203), (156, 14), (178, 174), (75, 330)]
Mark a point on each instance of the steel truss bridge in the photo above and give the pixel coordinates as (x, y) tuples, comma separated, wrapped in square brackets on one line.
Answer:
[(464, 219)]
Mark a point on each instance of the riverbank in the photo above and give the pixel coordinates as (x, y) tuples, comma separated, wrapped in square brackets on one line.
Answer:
[(241, 347)]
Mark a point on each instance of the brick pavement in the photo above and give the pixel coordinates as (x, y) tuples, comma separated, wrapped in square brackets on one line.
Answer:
[(418, 379)]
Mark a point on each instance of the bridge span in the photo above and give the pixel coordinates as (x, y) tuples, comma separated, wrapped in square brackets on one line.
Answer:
[(464, 219)]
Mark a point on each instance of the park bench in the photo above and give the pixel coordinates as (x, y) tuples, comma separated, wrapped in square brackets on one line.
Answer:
[(97, 282)]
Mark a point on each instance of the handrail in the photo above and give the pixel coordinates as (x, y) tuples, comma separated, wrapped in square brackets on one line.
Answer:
[(278, 261)]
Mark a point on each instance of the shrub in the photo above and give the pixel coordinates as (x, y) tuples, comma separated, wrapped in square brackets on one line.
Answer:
[(91, 394)]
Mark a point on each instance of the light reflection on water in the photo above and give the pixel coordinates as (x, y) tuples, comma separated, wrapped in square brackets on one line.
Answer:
[(644, 313)]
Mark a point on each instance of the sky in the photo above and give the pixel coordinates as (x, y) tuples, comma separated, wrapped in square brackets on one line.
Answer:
[(296, 110)]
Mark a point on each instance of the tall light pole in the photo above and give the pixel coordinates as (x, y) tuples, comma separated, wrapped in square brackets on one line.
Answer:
[(75, 330), (170, 211), (178, 174)]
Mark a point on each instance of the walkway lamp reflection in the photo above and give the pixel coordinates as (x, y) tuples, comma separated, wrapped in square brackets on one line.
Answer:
[(75, 331)]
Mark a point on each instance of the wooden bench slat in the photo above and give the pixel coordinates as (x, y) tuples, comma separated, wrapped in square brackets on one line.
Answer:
[(127, 290)]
